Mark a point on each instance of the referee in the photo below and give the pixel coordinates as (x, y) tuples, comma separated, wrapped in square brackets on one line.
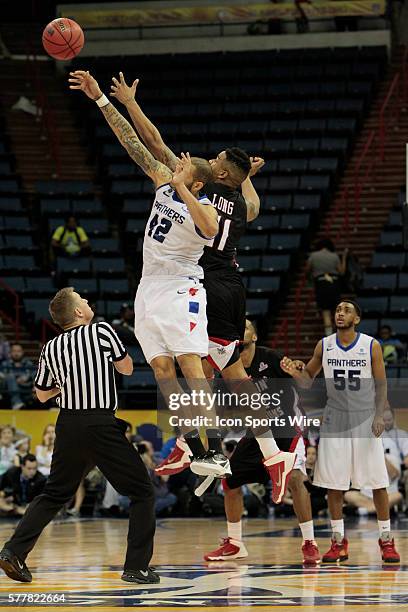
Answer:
[(77, 366)]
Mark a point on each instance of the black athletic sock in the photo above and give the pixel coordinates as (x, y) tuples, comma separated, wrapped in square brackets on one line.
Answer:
[(194, 443), (214, 440)]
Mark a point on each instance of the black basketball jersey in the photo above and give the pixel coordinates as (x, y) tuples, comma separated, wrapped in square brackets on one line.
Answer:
[(269, 377), (232, 213)]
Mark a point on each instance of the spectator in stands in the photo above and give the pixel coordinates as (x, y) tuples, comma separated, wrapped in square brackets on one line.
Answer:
[(400, 439), (392, 348), (317, 494), (70, 240), (7, 448), (326, 267), (22, 447), (363, 500), (19, 373), (169, 445), (21, 484), (125, 324), (4, 348), (44, 451), (164, 499)]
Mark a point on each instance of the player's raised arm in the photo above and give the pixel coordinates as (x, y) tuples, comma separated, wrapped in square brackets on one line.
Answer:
[(126, 135), (204, 215), (380, 379), (148, 131), (304, 375), (249, 192)]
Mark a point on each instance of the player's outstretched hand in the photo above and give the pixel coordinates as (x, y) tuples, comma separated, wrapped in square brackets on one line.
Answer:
[(183, 170), (378, 425), (81, 79), (256, 164), (122, 91)]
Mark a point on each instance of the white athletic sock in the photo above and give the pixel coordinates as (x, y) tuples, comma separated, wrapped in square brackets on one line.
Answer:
[(307, 530), (338, 527), (384, 526), (267, 444), (235, 531)]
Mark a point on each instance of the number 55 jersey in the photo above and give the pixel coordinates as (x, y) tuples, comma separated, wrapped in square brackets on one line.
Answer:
[(170, 304)]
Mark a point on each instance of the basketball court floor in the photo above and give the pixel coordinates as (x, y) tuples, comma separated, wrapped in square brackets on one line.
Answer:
[(79, 563)]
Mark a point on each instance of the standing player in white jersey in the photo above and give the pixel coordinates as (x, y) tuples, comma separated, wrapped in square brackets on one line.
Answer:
[(170, 305), (350, 448)]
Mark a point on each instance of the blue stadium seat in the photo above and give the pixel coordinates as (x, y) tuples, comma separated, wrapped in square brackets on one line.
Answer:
[(95, 226), (264, 284), (342, 125), (326, 164), (295, 221), (55, 206), (64, 187), (275, 263), (10, 204), (391, 238), (395, 218), (138, 207), (292, 165), (73, 264), (349, 105), (122, 186), (403, 280), (284, 242), (9, 186), (388, 260), (373, 304), (257, 242), (108, 264), (86, 207), (305, 145), (17, 223), (283, 183), (84, 285), (311, 182), (334, 144), (278, 146), (256, 307), (37, 306), (113, 285), (15, 282), (399, 303), (248, 263), (278, 202), (265, 222), (42, 284), (19, 262), (379, 281), (136, 354), (282, 126), (368, 326), (136, 226), (312, 125), (102, 245), (19, 242), (307, 202)]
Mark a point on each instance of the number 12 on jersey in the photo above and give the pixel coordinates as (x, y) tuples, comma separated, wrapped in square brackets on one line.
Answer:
[(158, 228), (221, 238)]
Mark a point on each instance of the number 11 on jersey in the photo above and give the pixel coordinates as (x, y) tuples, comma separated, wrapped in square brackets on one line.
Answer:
[(221, 238)]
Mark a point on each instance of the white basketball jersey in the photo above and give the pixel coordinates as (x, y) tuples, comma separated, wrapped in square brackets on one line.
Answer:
[(348, 373), (172, 244)]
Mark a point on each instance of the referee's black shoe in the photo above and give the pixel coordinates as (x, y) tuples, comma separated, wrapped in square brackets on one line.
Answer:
[(14, 567), (148, 576)]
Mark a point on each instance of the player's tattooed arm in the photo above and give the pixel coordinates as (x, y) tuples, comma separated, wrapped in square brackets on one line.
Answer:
[(126, 135), (158, 172), (249, 192), (148, 132)]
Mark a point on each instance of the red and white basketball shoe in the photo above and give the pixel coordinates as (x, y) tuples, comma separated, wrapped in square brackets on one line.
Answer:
[(311, 555), (229, 549), (338, 550), (177, 461), (279, 467), (389, 553)]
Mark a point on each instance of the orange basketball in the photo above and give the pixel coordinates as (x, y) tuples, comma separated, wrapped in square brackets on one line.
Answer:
[(63, 38)]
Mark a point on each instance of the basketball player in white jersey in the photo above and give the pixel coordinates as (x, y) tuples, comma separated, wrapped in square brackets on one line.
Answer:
[(350, 448), (170, 305)]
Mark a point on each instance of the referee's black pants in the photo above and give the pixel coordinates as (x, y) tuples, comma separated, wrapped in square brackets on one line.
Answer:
[(83, 440)]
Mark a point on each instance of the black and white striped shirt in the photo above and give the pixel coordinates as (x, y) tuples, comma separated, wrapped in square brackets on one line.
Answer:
[(80, 363)]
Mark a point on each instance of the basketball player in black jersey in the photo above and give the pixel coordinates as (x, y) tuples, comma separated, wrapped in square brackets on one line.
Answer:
[(263, 365), (237, 202)]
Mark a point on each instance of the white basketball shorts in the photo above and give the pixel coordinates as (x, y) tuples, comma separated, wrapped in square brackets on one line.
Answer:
[(170, 317)]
